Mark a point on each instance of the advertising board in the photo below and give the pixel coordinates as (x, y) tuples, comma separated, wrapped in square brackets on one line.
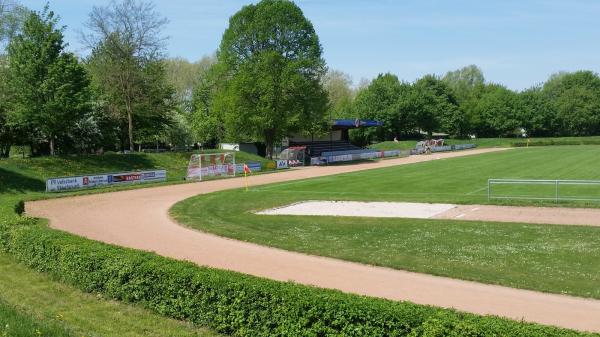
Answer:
[(90, 181)]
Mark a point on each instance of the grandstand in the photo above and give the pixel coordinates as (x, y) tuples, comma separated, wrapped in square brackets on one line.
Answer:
[(336, 141)]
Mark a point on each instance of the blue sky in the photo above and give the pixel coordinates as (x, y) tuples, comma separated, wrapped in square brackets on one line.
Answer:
[(516, 43)]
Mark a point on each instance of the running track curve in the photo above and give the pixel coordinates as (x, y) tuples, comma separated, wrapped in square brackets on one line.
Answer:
[(139, 219)]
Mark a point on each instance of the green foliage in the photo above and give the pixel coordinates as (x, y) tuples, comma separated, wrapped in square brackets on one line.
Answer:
[(386, 100), (338, 86), (496, 112), (20, 207), (48, 87), (273, 67), (237, 304)]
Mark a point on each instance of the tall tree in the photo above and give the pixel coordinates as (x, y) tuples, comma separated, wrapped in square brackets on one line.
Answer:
[(12, 16), (497, 112), (49, 87), (463, 81), (338, 86), (125, 37), (273, 65), (385, 99), (576, 99), (437, 108), (184, 76)]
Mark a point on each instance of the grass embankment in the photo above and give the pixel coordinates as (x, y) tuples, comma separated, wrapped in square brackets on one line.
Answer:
[(14, 323), (495, 142), (26, 178), (42, 304), (550, 258)]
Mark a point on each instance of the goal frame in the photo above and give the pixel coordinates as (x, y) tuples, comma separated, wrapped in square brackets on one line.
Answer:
[(197, 171)]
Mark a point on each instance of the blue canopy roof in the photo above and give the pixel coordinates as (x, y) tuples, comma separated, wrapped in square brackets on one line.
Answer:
[(355, 123)]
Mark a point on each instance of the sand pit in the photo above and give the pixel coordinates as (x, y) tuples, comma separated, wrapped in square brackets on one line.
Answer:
[(518, 214), (363, 209)]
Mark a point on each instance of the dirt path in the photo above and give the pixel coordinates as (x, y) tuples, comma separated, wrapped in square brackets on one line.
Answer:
[(139, 219)]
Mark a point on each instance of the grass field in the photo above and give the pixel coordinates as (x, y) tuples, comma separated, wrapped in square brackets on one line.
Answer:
[(42, 305), (559, 259), (15, 323), (495, 142)]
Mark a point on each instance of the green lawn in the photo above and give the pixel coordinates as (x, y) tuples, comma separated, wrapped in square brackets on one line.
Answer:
[(495, 142), (16, 323), (41, 304), (559, 259)]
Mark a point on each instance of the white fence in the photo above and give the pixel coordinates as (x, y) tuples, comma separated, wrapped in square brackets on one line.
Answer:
[(544, 189)]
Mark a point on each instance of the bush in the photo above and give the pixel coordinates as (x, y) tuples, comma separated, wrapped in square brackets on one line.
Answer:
[(234, 303), (20, 207)]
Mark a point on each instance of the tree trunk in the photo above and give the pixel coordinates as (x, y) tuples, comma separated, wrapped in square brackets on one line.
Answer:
[(130, 126), (269, 142), (52, 145)]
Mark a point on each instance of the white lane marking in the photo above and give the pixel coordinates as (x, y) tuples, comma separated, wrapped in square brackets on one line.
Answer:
[(460, 215)]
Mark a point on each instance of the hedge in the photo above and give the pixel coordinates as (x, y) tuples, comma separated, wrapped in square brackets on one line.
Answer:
[(234, 303)]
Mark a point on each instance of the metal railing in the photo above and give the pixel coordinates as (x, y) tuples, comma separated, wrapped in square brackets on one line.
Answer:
[(553, 186)]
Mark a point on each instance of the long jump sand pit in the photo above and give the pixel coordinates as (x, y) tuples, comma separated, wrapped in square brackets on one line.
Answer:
[(363, 209), (533, 215)]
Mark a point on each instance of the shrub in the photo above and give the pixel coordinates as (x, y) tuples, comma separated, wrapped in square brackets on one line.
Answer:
[(20, 207), (234, 303)]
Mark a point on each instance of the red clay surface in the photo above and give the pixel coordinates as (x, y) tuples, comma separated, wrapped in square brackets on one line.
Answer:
[(537, 215), (139, 219)]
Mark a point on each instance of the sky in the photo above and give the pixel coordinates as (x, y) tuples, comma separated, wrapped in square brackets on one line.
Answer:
[(516, 43)]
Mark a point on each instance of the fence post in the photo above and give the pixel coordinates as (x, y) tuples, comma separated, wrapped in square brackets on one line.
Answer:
[(557, 191), (488, 189)]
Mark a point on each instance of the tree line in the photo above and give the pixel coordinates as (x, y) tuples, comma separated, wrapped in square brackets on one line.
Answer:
[(462, 104), (267, 80)]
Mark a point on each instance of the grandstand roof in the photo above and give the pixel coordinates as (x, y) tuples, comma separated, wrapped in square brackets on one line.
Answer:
[(354, 123)]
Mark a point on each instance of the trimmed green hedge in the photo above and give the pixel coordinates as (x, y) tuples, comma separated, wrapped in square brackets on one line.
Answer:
[(234, 303)]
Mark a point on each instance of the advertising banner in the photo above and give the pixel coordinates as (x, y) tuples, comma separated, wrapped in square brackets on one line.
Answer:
[(282, 164), (90, 181)]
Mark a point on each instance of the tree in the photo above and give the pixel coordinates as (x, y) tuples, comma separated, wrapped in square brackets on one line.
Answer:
[(385, 99), (208, 123), (273, 64), (49, 88), (576, 100), (338, 86), (185, 76), (463, 81), (537, 115), (12, 16), (125, 37), (437, 108), (497, 112)]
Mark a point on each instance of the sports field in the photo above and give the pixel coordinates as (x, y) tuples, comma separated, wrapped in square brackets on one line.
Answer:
[(550, 258)]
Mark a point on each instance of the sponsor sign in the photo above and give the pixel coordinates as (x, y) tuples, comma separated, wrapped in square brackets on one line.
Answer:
[(253, 166), (282, 164), (90, 181)]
